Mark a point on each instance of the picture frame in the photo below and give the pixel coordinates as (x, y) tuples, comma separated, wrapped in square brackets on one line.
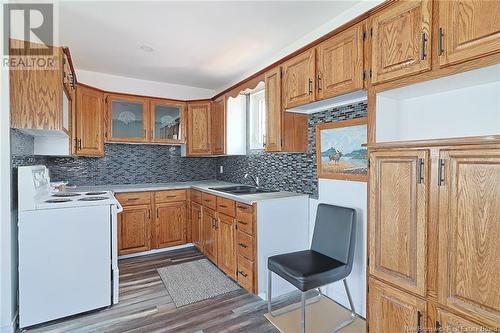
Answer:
[(340, 153)]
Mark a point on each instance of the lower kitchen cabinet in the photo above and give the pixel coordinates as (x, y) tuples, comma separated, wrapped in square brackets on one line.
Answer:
[(226, 253), (170, 224), (209, 227), (392, 310), (134, 229), (196, 212)]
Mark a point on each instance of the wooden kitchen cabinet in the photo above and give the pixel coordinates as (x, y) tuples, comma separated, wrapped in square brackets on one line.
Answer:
[(170, 223), (88, 131), (218, 126), (298, 79), (449, 322), (392, 310), (401, 40), (339, 63), (469, 225), (127, 118), (467, 30), (199, 133), (167, 121), (209, 228), (134, 229), (398, 218), (285, 131), (196, 225), (226, 251)]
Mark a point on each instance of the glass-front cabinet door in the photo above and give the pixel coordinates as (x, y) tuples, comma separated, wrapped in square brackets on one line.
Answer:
[(167, 121), (128, 119)]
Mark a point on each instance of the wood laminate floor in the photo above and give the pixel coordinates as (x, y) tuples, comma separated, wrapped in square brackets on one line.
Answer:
[(145, 305)]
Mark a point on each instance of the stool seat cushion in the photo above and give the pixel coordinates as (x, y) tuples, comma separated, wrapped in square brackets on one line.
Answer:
[(307, 269)]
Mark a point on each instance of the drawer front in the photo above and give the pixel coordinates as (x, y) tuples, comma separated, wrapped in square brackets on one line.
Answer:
[(244, 245), (226, 206), (170, 196), (209, 200), (245, 273), (244, 218), (196, 196), (134, 198)]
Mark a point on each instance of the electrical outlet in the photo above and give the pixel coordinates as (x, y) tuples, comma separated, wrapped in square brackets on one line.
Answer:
[(221, 169)]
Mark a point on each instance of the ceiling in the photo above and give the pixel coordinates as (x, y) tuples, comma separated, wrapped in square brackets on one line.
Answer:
[(204, 44)]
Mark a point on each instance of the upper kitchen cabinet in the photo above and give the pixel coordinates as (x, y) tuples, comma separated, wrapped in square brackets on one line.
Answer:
[(298, 79), (339, 63), (167, 121), (199, 133), (127, 118), (88, 132), (285, 131), (401, 40), (467, 30), (41, 97), (218, 124)]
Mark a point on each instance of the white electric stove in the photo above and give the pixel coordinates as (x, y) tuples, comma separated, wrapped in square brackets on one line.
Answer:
[(68, 251)]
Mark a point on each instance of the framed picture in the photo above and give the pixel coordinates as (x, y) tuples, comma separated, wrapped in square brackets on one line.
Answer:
[(339, 150)]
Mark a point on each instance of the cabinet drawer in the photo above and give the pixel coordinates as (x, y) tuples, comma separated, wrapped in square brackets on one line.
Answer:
[(244, 218), (170, 196), (226, 206), (244, 245), (245, 273), (134, 198), (209, 200), (196, 196)]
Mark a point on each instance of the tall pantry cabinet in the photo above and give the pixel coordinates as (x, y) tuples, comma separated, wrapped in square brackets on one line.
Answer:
[(434, 221)]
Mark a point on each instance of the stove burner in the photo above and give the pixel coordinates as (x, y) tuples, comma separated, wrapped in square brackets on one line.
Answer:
[(95, 193), (65, 194), (92, 199), (57, 200)]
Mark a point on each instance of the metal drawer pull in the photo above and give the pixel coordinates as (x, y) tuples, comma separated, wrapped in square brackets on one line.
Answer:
[(243, 273), (242, 207), (440, 42), (420, 173), (424, 46), (419, 319), (223, 206), (207, 200), (242, 245), (171, 196), (132, 199), (310, 87), (242, 222)]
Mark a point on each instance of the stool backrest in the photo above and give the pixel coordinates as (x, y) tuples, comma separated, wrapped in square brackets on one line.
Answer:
[(335, 233)]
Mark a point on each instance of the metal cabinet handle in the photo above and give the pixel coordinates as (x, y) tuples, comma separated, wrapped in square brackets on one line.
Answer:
[(440, 41), (223, 206), (243, 273), (319, 82), (420, 171), (242, 222), (171, 196), (149, 214), (242, 245), (242, 207), (438, 326), (76, 143), (310, 82), (132, 199), (419, 320), (80, 144), (441, 172), (157, 213), (424, 46)]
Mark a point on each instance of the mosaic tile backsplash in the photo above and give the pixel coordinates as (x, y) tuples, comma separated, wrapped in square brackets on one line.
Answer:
[(288, 172), (132, 164)]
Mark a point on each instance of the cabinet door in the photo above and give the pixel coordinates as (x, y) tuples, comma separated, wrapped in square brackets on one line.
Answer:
[(89, 122), (298, 80), (467, 30), (401, 40), (170, 224), (469, 225), (196, 225), (167, 122), (398, 217), (226, 252), (128, 119), (199, 129), (392, 310), (340, 63), (274, 111), (448, 322), (134, 229), (209, 234), (218, 123)]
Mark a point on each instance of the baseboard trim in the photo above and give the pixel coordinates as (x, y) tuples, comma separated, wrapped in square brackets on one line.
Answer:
[(12, 328), (155, 251)]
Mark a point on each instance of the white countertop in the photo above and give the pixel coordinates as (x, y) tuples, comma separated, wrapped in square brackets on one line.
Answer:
[(203, 186)]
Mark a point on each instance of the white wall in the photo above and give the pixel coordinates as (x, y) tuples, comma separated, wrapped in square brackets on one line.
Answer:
[(123, 84), (354, 195), (8, 261)]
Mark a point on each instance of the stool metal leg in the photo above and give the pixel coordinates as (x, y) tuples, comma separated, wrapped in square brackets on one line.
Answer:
[(269, 290), (352, 314), (303, 312)]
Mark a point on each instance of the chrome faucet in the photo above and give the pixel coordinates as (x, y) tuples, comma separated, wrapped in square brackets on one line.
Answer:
[(254, 178)]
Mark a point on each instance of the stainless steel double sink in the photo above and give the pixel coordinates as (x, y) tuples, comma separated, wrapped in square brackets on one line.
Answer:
[(242, 189)]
